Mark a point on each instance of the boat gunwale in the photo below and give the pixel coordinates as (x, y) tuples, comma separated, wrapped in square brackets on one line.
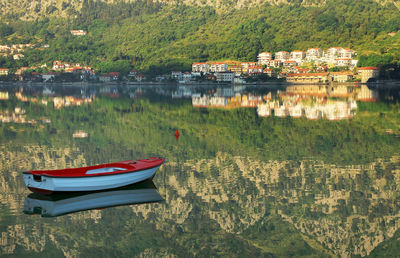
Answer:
[(114, 173)]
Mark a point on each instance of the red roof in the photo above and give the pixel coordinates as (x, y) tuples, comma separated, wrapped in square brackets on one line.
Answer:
[(199, 63), (255, 67), (368, 68), (282, 52), (267, 70), (289, 61), (3, 69), (114, 73), (217, 63)]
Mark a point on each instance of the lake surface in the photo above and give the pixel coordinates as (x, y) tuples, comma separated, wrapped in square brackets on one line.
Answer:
[(256, 171)]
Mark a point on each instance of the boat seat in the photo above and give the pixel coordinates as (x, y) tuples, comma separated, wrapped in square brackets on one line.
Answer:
[(104, 170)]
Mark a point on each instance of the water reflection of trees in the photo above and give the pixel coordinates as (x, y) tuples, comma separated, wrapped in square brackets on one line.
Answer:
[(258, 185)]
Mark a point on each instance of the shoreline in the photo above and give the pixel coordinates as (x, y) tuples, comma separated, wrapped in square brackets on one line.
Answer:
[(269, 83)]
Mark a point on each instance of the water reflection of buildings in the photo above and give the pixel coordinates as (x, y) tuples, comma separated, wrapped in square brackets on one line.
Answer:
[(18, 116), (59, 102), (310, 101)]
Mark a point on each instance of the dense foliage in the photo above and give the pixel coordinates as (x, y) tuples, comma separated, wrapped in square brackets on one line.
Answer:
[(156, 37)]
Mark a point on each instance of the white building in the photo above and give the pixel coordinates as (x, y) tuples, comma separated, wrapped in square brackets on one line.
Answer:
[(187, 76), (218, 67), (224, 76), (343, 62), (255, 69), (3, 71), (200, 67), (333, 52), (314, 53), (282, 55), (246, 65), (78, 32), (264, 57), (275, 63), (347, 53), (177, 75), (297, 56)]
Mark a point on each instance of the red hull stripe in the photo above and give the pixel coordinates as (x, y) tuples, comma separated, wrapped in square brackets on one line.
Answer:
[(40, 191)]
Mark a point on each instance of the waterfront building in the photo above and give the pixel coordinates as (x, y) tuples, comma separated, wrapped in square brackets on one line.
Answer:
[(21, 70), (105, 78), (341, 76), (48, 76), (58, 65), (255, 70), (218, 67), (367, 73), (187, 76), (140, 77), (4, 71), (246, 65), (177, 75), (268, 72), (201, 67), (235, 69), (308, 77), (224, 76)]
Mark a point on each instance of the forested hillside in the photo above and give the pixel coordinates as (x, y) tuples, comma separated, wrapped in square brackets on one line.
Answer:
[(160, 37)]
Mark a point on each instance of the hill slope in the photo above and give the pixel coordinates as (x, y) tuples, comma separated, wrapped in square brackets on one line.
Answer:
[(171, 36), (34, 9)]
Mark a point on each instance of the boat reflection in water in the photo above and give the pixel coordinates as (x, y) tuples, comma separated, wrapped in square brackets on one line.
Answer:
[(65, 203)]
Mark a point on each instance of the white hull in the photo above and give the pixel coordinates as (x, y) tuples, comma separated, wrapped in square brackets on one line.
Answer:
[(88, 183), (49, 208)]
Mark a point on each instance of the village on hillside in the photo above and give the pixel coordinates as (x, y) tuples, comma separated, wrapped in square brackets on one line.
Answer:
[(337, 64), (314, 66)]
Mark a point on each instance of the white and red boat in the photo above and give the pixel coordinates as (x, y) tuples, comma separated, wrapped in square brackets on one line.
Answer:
[(93, 178)]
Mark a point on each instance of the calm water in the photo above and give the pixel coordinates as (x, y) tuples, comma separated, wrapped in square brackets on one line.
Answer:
[(256, 171)]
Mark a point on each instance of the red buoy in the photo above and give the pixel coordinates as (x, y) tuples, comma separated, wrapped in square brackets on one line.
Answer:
[(177, 134)]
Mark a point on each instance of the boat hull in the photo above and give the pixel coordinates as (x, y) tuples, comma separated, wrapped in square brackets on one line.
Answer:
[(48, 185)]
